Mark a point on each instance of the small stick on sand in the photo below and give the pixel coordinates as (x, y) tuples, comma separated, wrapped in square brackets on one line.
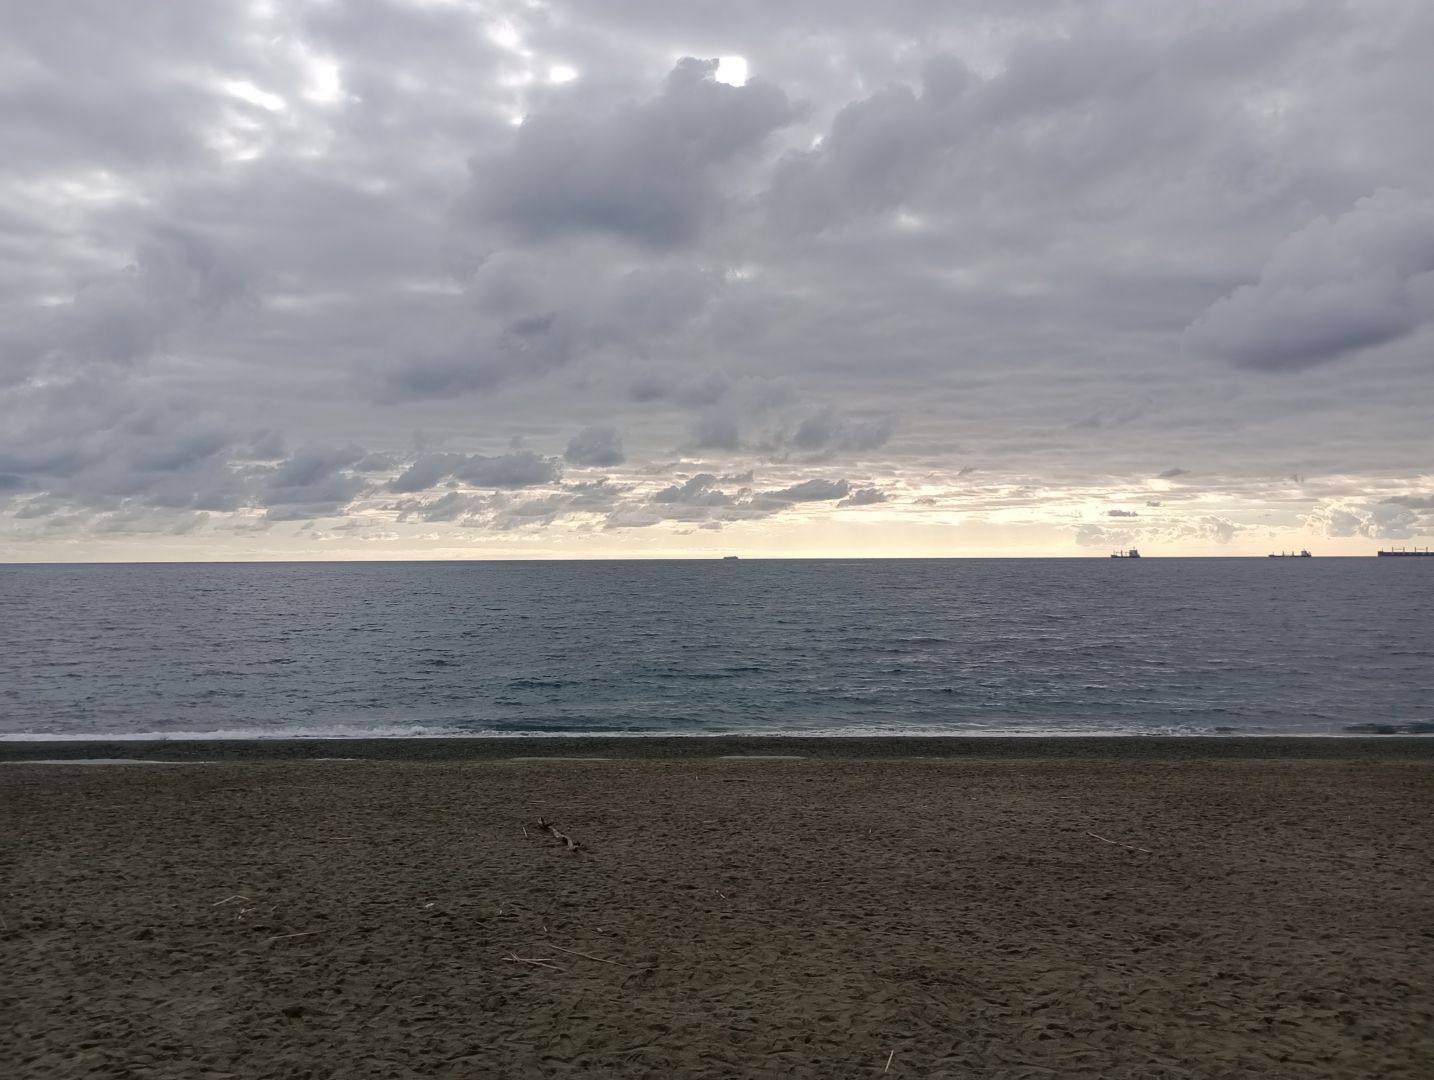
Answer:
[(286, 937), (1117, 843), (888, 1061), (562, 837), (587, 956), (525, 832), (227, 899), (540, 961)]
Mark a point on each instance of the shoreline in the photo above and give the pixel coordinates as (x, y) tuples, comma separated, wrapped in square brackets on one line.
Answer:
[(1125, 748)]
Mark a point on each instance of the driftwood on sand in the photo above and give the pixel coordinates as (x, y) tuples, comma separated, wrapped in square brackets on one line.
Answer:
[(561, 837)]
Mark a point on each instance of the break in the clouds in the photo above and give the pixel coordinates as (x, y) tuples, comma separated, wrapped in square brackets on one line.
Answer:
[(378, 278)]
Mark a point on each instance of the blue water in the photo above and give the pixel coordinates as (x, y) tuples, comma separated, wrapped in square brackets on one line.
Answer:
[(1159, 646)]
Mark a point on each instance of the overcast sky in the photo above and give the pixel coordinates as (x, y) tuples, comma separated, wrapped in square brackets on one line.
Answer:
[(451, 278)]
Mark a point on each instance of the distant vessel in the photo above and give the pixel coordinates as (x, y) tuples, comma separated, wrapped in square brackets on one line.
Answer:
[(1302, 554), (1407, 553), (729, 558), (1131, 554)]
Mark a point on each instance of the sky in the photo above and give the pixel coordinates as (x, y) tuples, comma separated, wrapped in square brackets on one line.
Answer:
[(387, 279)]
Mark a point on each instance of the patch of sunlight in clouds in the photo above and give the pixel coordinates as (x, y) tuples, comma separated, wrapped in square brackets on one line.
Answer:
[(731, 70), (244, 90)]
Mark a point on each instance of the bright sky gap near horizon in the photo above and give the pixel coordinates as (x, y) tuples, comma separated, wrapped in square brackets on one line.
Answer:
[(389, 279)]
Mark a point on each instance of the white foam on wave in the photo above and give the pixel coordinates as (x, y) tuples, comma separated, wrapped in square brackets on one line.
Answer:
[(343, 731), (762, 757), (553, 757), (102, 761)]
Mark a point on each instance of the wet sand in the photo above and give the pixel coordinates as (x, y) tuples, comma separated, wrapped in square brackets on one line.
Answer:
[(1122, 909)]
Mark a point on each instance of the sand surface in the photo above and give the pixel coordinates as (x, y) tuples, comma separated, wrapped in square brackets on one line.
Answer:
[(826, 917)]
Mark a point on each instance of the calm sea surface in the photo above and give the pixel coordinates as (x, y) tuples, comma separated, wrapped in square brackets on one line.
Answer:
[(1158, 646)]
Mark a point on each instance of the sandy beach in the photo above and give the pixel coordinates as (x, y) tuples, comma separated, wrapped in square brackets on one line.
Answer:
[(1026, 908)]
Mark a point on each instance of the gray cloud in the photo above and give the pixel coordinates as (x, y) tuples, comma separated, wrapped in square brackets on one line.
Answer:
[(450, 506), (648, 171), (878, 150), (701, 497), (816, 489), (1395, 518), (315, 482), (864, 497), (175, 281), (468, 360), (599, 446), (1335, 287), (427, 471), (266, 263), (699, 490), (1412, 502), (827, 429), (518, 469)]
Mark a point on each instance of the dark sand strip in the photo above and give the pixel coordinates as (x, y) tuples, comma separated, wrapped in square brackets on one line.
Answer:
[(1118, 748), (1118, 916)]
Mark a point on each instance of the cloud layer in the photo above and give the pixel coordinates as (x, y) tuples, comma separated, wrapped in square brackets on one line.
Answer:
[(554, 279)]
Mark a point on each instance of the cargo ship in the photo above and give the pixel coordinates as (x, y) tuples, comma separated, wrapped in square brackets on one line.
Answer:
[(1131, 554), (1407, 553), (1301, 554)]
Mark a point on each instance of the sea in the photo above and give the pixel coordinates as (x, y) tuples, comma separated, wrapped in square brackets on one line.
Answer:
[(759, 647)]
